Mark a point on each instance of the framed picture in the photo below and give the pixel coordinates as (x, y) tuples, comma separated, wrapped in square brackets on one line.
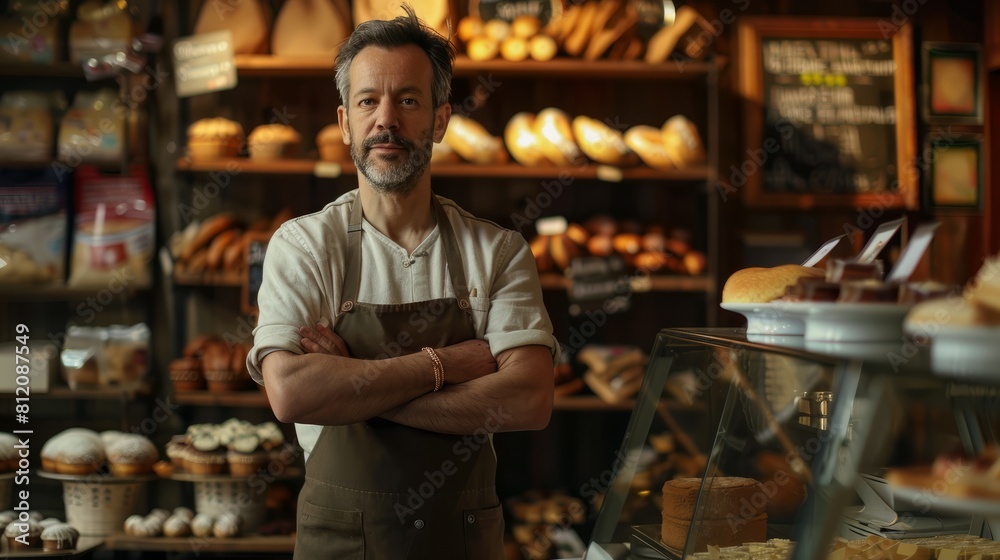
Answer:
[(828, 113), (954, 177), (953, 83)]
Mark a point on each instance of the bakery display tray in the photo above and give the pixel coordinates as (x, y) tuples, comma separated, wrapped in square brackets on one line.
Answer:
[(645, 541), (286, 473), (96, 478)]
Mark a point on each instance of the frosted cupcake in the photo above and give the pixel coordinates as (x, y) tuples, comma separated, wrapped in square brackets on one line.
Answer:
[(61, 536), (18, 540)]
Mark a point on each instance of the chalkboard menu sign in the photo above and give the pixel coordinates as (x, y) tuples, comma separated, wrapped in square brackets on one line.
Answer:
[(255, 272), (828, 114), (511, 9)]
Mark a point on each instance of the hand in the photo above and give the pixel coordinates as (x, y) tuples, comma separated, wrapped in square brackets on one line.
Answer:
[(466, 361), (321, 340)]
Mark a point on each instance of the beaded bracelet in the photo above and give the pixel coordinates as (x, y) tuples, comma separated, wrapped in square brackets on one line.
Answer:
[(438, 367)]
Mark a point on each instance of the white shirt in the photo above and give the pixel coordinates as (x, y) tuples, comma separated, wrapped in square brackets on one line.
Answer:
[(304, 275)]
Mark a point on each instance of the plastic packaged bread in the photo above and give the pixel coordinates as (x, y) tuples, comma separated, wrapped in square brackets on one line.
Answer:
[(32, 227), (26, 125), (92, 131), (101, 28), (311, 28)]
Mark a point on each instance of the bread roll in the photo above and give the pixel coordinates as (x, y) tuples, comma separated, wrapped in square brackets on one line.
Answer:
[(442, 153), (601, 143), (522, 142), (540, 250), (525, 26), (497, 29), (471, 141), (469, 27), (682, 142), (601, 245), (514, 49), (555, 138), (647, 142), (482, 48), (542, 48), (664, 42), (761, 285)]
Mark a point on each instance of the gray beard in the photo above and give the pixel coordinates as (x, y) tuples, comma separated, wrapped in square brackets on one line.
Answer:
[(392, 177)]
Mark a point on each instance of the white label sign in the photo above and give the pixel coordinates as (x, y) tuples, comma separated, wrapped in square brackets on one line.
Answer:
[(913, 252), (823, 251), (204, 63), (878, 241)]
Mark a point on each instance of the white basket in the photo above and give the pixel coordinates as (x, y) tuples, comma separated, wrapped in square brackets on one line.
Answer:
[(215, 497), (98, 509)]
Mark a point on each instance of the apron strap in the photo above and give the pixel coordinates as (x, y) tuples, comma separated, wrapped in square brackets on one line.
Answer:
[(456, 267), (352, 277)]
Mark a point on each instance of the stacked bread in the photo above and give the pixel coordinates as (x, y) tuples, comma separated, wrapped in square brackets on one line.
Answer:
[(614, 373), (732, 512), (514, 41), (210, 358), (219, 243)]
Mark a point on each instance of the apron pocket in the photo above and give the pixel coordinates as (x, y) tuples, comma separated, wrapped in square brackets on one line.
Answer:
[(329, 533), (483, 533)]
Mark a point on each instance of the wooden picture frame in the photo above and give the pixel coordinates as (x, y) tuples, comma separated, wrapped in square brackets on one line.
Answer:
[(828, 116), (953, 180), (952, 85)]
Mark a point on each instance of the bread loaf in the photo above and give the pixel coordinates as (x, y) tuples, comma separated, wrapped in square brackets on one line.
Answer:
[(761, 285), (555, 138), (471, 141), (716, 532), (311, 28), (247, 20), (576, 41), (601, 143), (210, 228), (647, 142), (218, 246), (522, 142)]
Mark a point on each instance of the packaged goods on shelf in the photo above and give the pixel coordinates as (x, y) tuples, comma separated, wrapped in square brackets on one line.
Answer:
[(46, 44), (26, 125), (93, 130), (113, 231), (100, 29), (105, 356), (32, 227)]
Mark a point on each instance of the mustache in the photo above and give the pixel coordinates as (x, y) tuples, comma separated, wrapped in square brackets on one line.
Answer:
[(387, 137)]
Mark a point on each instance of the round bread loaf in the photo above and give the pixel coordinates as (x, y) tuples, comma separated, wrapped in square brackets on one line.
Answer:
[(647, 142), (601, 143), (555, 138), (132, 454), (723, 496), (522, 142), (761, 285)]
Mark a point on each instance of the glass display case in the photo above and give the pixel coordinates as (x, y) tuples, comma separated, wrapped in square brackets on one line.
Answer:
[(787, 447)]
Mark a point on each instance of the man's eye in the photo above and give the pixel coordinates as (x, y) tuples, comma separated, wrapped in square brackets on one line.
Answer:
[(409, 101), (366, 102)]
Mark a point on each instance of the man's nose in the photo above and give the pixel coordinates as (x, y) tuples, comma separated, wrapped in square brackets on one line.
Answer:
[(386, 116)]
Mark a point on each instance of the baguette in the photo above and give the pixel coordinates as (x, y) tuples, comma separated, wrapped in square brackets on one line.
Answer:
[(198, 261), (232, 260), (620, 22), (218, 247), (209, 229), (580, 36)]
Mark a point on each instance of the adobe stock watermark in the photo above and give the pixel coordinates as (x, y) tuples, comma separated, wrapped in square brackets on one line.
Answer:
[(902, 12), (463, 451)]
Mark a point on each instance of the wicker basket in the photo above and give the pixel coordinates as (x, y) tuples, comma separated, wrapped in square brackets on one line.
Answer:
[(215, 497), (99, 508)]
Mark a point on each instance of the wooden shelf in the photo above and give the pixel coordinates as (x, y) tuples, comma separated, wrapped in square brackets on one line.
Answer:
[(322, 67), (61, 392), (550, 281), (505, 171), (247, 399), (55, 70), (253, 544), (209, 278), (27, 292)]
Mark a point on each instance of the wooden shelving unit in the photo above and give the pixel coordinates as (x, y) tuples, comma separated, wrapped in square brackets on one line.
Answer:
[(252, 544), (104, 393), (307, 167), (266, 66), (55, 70)]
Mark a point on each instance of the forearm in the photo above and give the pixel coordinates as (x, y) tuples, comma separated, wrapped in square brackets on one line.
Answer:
[(333, 390), (518, 397)]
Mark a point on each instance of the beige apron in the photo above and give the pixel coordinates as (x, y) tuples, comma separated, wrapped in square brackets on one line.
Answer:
[(379, 490)]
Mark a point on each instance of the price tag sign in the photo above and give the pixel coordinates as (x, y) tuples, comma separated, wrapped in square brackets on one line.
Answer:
[(255, 273), (204, 63), (598, 283)]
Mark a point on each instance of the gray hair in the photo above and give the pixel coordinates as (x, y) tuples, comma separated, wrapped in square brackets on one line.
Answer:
[(398, 32)]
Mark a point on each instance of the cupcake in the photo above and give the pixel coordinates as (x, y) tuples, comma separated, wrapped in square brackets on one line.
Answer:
[(185, 373), (214, 138), (48, 522), (132, 454), (274, 141), (246, 456), (330, 142), (20, 539), (206, 456), (61, 536), (8, 455)]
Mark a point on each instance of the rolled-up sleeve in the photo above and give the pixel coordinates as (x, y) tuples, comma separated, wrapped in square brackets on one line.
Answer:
[(289, 297), (517, 315)]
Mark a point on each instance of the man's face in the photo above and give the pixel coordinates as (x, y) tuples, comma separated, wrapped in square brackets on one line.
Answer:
[(389, 119)]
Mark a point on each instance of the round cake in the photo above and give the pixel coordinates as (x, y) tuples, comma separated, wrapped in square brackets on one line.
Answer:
[(733, 512), (73, 451), (132, 454), (214, 138)]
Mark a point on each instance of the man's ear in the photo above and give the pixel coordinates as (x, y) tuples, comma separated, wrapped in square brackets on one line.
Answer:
[(441, 117), (345, 127)]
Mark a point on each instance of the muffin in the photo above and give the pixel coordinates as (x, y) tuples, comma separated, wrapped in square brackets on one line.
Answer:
[(131, 454), (206, 456), (8, 455), (61, 536), (214, 138), (18, 540), (185, 373), (176, 450), (217, 360), (246, 456), (274, 141), (330, 142)]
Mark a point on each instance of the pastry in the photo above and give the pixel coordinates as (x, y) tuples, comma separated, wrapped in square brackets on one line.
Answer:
[(217, 248), (667, 39), (274, 141), (622, 18), (555, 138), (647, 142), (332, 147), (525, 26), (205, 456), (19, 540), (214, 138), (132, 454), (48, 522), (246, 456), (496, 29), (185, 374), (201, 525), (59, 536), (73, 451), (761, 285), (226, 526), (514, 49), (270, 435), (183, 513), (868, 291), (206, 233), (715, 532), (601, 143), (469, 27), (580, 35), (682, 142), (600, 245), (839, 270), (733, 512), (542, 48), (522, 142), (482, 48), (471, 141), (176, 526), (442, 153)]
